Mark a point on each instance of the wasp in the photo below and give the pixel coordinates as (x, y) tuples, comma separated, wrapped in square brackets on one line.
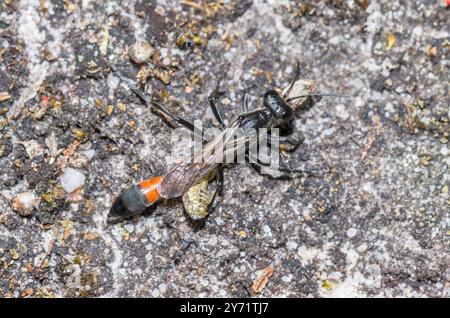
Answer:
[(190, 180)]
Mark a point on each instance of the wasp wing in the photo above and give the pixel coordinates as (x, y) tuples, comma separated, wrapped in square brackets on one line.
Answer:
[(183, 176), (186, 174)]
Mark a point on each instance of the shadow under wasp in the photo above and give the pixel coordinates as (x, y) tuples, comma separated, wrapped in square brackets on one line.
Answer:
[(190, 180)]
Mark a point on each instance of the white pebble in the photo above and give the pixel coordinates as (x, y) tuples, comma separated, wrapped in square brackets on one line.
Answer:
[(24, 203), (342, 112), (418, 31), (267, 230), (162, 288), (140, 52), (212, 240), (362, 248), (113, 81), (155, 293), (218, 220), (352, 232), (287, 278), (72, 179), (291, 245), (88, 154)]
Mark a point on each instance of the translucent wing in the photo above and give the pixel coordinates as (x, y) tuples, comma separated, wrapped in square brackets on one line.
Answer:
[(183, 176), (186, 174)]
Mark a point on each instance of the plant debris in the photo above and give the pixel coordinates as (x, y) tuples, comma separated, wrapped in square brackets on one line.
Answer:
[(262, 280)]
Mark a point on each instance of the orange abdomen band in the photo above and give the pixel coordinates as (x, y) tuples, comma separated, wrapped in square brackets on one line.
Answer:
[(149, 189)]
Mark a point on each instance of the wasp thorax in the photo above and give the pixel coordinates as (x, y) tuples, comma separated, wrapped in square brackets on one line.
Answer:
[(278, 107)]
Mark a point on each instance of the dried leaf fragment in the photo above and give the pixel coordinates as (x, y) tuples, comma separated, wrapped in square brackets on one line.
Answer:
[(390, 40), (431, 51), (90, 236), (67, 153), (67, 226), (109, 110), (370, 141), (75, 195), (4, 96), (103, 47), (28, 292), (78, 133), (122, 106), (328, 284), (425, 159), (143, 74), (262, 280), (15, 256), (242, 234), (363, 4)]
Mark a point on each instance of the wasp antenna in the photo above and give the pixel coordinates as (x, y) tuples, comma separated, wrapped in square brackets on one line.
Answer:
[(147, 100), (141, 95), (128, 81), (296, 76), (321, 95)]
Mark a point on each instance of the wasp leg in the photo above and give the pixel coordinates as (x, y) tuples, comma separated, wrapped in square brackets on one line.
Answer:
[(245, 102), (189, 240), (258, 168), (216, 112), (161, 108), (219, 188), (289, 143), (283, 172), (155, 105), (220, 180)]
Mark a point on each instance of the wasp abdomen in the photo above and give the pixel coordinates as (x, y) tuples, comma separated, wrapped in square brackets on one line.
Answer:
[(136, 199)]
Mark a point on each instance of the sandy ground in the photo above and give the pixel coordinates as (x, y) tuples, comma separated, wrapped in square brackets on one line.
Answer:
[(377, 224)]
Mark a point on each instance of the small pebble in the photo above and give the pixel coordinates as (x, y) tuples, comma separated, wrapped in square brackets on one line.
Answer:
[(72, 179), (188, 89), (140, 52), (342, 112), (287, 278), (362, 248), (352, 232), (267, 230), (25, 203), (162, 288), (212, 240), (89, 154), (155, 293)]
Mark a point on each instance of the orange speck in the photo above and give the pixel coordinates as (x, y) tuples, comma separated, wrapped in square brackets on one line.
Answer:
[(149, 188)]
